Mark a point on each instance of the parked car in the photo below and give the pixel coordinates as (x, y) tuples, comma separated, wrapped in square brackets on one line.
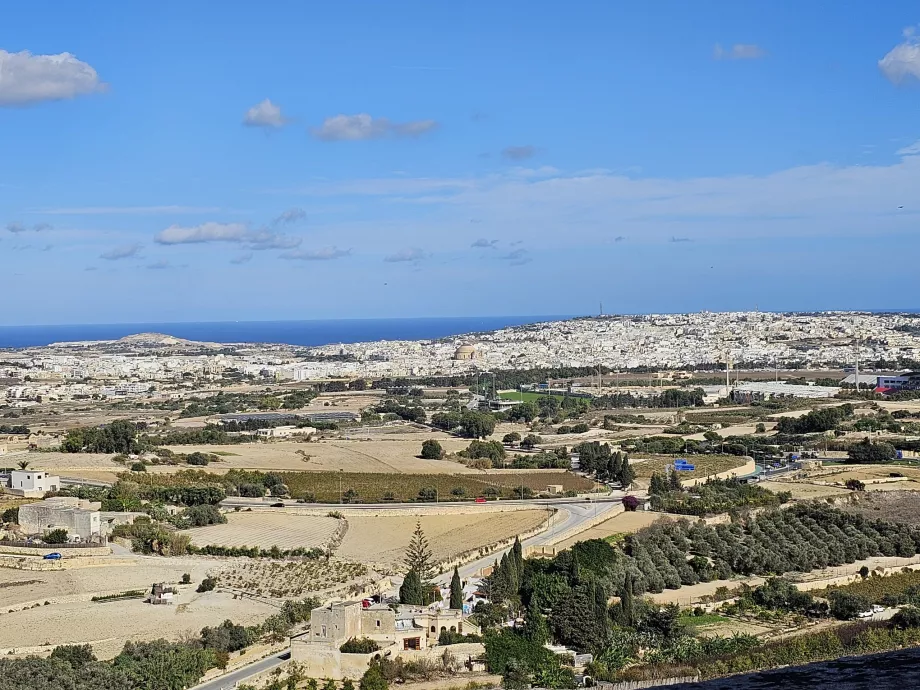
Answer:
[(277, 505), (877, 608), (54, 556), (480, 500), (865, 614)]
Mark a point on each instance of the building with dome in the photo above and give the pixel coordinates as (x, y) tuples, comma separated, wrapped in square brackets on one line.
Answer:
[(465, 353)]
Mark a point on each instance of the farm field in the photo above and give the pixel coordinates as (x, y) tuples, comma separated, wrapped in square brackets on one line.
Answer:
[(383, 540), (705, 465), (267, 529), (294, 579), (802, 490), (624, 523), (879, 474), (375, 488), (526, 396), (897, 506), (107, 626)]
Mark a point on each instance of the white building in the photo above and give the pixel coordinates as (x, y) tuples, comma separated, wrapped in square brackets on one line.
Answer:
[(33, 483), (285, 431)]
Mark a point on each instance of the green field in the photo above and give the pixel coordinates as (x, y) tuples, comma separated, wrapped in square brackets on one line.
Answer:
[(705, 464), (526, 396), (376, 488)]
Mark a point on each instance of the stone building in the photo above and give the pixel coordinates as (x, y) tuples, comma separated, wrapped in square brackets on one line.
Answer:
[(81, 522), (408, 632)]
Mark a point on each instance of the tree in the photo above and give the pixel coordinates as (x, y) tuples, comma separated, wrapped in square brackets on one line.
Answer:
[(658, 486), (373, 679), (432, 450), (627, 603), (23, 464), (76, 655), (511, 438), (674, 481), (475, 424), (846, 606), (530, 441), (760, 428), (907, 617), (411, 591), (207, 584), (855, 485), (418, 555), (456, 591), (525, 412), (868, 452), (55, 536)]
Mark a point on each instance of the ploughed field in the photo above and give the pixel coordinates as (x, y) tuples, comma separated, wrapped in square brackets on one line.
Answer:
[(267, 529)]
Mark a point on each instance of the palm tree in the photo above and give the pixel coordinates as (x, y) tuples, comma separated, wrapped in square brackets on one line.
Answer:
[(23, 464)]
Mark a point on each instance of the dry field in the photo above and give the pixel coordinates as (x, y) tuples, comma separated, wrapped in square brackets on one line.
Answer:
[(897, 506), (803, 491), (292, 579), (267, 529), (109, 625), (383, 540), (705, 465), (624, 523), (838, 475)]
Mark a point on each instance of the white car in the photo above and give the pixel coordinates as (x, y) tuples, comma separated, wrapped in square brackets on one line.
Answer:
[(877, 608), (865, 614)]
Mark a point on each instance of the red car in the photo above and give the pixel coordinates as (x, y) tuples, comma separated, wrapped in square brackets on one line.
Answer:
[(480, 500)]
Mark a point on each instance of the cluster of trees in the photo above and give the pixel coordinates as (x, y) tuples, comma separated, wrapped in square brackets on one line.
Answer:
[(822, 419), (710, 498), (468, 423), (573, 429), (557, 459), (867, 451), (20, 429), (493, 450), (413, 413), (120, 436), (671, 397), (598, 459)]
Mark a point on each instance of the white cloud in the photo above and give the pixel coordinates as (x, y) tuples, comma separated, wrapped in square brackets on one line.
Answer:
[(292, 215), (912, 150), (519, 153), (363, 127), (266, 239), (27, 78), (739, 51), (903, 61), (125, 251), (241, 259), (483, 243), (413, 254), (265, 114), (324, 254), (206, 232)]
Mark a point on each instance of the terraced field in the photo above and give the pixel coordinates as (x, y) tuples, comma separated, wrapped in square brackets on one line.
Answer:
[(265, 530)]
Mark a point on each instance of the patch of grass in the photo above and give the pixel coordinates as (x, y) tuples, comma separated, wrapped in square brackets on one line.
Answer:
[(705, 464), (223, 453), (617, 538), (526, 396), (705, 619), (376, 487), (130, 594)]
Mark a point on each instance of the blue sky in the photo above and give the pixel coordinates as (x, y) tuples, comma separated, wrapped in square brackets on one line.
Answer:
[(290, 160)]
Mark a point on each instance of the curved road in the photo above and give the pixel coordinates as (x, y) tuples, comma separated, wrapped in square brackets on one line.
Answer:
[(570, 513)]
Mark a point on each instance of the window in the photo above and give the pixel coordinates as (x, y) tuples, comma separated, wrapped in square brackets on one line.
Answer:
[(324, 631), (378, 623), (433, 629)]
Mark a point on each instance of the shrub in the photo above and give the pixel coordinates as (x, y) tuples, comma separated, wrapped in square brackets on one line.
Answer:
[(77, 656), (432, 450), (55, 536), (359, 645), (186, 579), (907, 617), (207, 585), (846, 606), (138, 467)]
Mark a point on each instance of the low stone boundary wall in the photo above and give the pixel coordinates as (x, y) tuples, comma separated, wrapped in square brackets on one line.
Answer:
[(638, 684), (62, 549)]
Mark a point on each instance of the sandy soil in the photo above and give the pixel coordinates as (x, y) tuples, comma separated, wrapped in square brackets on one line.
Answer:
[(897, 506), (382, 540), (802, 490), (109, 625), (624, 523), (266, 529)]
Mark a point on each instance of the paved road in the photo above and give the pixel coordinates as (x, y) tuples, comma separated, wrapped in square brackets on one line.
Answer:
[(237, 501), (231, 680)]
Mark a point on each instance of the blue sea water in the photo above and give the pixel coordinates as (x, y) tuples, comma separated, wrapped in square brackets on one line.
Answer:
[(307, 333)]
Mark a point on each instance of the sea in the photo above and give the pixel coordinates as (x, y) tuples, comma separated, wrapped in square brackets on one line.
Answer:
[(900, 669), (312, 333)]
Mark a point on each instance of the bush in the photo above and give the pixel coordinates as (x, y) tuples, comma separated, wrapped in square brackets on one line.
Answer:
[(359, 645), (907, 617), (432, 450), (855, 485), (203, 515), (513, 437), (55, 536), (186, 579), (77, 656), (199, 459), (207, 585), (138, 467), (846, 606), (10, 516)]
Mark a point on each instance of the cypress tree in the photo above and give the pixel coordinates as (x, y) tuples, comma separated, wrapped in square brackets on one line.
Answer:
[(627, 605), (412, 591), (456, 591)]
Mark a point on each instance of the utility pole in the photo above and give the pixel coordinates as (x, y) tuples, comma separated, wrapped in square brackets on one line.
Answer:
[(340, 486)]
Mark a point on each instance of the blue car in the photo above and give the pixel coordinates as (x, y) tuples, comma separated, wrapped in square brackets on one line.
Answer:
[(55, 556)]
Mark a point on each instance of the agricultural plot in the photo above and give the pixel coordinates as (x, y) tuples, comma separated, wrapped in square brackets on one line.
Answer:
[(383, 540), (705, 465), (897, 506), (268, 529), (325, 487), (624, 523), (899, 588), (292, 579)]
